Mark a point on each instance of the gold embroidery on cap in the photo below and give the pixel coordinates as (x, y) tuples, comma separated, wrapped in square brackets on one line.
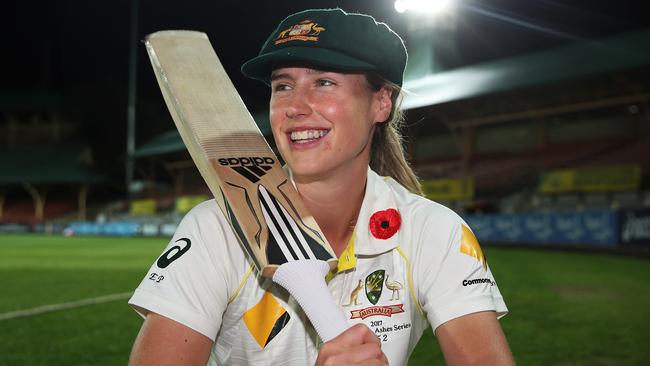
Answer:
[(307, 30)]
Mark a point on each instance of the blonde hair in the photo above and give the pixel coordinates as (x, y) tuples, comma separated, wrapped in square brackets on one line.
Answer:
[(387, 156)]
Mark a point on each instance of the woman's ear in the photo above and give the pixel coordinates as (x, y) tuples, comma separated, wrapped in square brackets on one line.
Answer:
[(384, 104)]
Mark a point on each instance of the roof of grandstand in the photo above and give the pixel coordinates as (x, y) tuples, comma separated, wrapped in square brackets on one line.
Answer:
[(24, 99), (170, 141), (49, 164), (167, 142), (560, 64)]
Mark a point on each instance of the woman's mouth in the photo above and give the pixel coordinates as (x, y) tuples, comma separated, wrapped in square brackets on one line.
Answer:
[(306, 136)]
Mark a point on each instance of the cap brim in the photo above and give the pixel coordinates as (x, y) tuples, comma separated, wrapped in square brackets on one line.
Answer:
[(261, 66)]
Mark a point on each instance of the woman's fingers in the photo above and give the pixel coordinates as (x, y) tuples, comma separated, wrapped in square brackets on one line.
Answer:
[(358, 345)]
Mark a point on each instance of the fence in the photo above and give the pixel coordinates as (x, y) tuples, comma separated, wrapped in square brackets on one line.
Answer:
[(604, 228)]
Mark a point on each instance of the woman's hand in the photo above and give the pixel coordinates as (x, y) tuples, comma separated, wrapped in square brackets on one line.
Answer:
[(356, 346)]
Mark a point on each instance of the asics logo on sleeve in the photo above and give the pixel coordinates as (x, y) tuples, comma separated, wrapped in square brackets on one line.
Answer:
[(173, 253)]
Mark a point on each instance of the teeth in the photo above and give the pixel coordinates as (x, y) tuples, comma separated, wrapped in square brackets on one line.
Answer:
[(303, 136)]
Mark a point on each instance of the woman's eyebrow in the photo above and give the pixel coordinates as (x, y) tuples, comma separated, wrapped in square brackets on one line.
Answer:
[(315, 71), (278, 75)]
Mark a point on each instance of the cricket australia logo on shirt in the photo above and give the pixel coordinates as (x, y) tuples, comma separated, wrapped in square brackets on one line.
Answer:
[(374, 285), (252, 168)]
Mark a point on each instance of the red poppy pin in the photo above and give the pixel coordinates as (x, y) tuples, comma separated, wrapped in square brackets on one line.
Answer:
[(384, 224)]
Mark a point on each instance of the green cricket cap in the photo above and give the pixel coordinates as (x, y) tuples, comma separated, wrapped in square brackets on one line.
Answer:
[(334, 39)]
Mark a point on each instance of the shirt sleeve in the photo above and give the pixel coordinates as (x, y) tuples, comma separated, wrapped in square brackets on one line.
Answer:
[(194, 277), (452, 271)]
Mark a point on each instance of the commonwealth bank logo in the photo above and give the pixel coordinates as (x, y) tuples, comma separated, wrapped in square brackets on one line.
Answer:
[(469, 245), (266, 319)]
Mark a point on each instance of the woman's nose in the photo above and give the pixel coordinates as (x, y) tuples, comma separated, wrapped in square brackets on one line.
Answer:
[(298, 105)]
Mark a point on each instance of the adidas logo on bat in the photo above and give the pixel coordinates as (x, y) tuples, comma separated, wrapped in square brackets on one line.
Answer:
[(252, 168)]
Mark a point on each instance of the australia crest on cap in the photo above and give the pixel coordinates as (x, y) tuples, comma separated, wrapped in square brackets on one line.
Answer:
[(306, 30)]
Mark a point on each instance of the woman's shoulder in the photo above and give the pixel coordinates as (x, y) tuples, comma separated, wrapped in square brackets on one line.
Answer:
[(414, 206), (424, 222), (204, 213), (207, 223), (206, 207)]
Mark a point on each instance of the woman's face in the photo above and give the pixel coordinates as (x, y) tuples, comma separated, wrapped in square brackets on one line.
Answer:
[(322, 121)]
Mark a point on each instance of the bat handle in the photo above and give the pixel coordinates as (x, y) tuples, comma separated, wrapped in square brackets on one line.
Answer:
[(305, 281)]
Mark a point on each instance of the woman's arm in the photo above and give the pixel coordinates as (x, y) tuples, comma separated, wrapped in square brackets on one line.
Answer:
[(162, 341), (474, 339)]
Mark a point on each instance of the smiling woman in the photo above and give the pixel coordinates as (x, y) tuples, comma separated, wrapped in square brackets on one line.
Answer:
[(335, 81), (337, 107)]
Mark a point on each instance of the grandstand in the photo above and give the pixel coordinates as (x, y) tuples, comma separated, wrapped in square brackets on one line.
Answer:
[(46, 172), (560, 134), (565, 131)]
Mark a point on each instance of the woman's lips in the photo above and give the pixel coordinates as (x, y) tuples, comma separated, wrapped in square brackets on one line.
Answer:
[(306, 136)]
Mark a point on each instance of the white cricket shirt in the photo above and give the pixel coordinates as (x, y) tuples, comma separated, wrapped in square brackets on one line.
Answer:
[(398, 282)]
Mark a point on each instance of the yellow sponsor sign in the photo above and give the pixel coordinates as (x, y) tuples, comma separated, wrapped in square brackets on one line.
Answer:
[(448, 189), (186, 203), (143, 207), (595, 179)]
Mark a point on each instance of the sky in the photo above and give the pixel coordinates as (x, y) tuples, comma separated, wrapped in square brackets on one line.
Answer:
[(79, 49)]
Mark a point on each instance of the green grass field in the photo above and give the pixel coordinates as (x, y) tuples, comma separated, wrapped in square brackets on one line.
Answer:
[(565, 308)]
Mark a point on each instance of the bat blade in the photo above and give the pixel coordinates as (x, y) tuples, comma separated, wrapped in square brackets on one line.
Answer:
[(230, 152)]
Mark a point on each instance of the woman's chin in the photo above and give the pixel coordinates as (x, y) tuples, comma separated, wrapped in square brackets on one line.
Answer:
[(305, 171)]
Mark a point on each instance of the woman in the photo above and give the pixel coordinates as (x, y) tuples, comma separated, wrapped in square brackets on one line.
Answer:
[(404, 262)]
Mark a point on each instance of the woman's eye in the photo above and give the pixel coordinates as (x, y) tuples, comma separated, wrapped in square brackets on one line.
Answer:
[(325, 82), (280, 87)]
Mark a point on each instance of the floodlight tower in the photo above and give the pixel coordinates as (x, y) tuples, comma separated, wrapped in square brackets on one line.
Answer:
[(131, 116), (431, 26)]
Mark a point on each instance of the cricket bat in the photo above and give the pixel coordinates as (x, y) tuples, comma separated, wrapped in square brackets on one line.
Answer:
[(239, 167), (242, 172)]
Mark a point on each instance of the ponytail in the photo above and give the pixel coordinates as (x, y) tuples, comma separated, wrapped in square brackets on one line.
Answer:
[(387, 156)]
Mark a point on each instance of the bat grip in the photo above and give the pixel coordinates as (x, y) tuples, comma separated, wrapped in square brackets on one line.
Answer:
[(305, 281)]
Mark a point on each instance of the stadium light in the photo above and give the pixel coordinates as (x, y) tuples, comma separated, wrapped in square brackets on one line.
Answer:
[(428, 7)]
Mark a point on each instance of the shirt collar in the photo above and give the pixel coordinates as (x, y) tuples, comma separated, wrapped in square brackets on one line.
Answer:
[(379, 197)]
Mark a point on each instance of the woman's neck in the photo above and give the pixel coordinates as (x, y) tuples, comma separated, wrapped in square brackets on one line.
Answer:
[(335, 203)]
